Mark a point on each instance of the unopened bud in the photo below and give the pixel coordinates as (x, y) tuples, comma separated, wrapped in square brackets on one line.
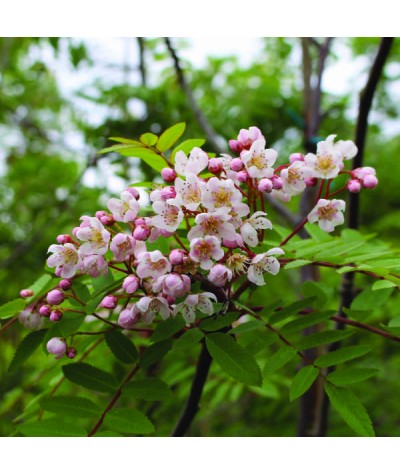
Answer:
[(25, 293), (168, 174), (215, 165), (55, 297), (109, 301)]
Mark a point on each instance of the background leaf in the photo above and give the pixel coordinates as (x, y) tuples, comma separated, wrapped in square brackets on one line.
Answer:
[(149, 389), (128, 421), (90, 377), (27, 346), (170, 136), (122, 347), (302, 381)]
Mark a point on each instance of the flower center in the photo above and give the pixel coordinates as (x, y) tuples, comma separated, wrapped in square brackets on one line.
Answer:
[(325, 163), (222, 197), (293, 175), (257, 161), (327, 212)]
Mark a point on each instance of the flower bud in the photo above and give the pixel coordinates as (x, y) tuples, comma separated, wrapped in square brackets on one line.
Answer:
[(296, 157), (55, 297), (235, 146), (168, 192), (71, 353), (370, 181), (128, 317), (109, 301), (107, 220), (242, 176), (65, 284), (130, 284), (134, 192), (140, 222), (100, 214), (176, 285), (45, 310), (176, 257), (168, 174), (277, 182), (354, 186), (55, 315), (141, 233), (25, 293), (312, 181), (56, 347), (265, 185), (236, 164), (31, 320), (63, 238), (219, 275), (215, 165)]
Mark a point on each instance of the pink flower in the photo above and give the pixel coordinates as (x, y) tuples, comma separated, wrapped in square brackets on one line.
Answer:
[(204, 250), (173, 285), (169, 215), (354, 186), (245, 139), (220, 194), (56, 347), (293, 178), (189, 191), (122, 246), (65, 258), (176, 257), (128, 317), (94, 265), (109, 301), (215, 166), (153, 264), (212, 224), (250, 227), (201, 302), (130, 284), (150, 307), (264, 263), (265, 185), (96, 238), (259, 160), (197, 162), (55, 297), (168, 174), (328, 214), (219, 275), (125, 209)]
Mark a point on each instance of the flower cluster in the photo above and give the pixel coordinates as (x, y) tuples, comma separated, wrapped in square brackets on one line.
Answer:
[(213, 210)]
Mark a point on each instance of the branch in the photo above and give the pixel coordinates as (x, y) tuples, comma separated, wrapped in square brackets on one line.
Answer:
[(142, 64), (198, 113)]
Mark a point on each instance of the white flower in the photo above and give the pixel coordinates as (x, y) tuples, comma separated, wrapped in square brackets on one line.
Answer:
[(328, 214), (152, 264), (220, 194), (201, 302), (197, 162), (125, 209), (96, 237), (189, 191), (259, 160), (212, 224), (169, 214), (150, 307), (204, 250), (249, 229), (293, 178), (264, 263), (66, 258)]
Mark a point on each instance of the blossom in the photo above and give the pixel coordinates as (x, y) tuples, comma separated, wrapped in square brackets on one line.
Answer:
[(249, 229), (130, 284), (96, 238), (328, 214), (212, 224), (204, 250), (245, 139), (169, 215), (264, 263), (201, 302), (125, 209), (65, 258), (128, 317), (293, 178), (55, 297), (30, 319), (219, 275), (259, 160), (94, 265), (174, 285), (220, 194), (122, 246), (197, 162), (150, 307), (153, 264), (56, 347), (189, 191)]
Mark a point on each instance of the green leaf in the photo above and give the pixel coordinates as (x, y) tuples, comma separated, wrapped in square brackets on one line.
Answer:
[(71, 406), (149, 139), (369, 299), (322, 338), (351, 409), (155, 353), (279, 359), (320, 291), (234, 359), (25, 349), (297, 263), (302, 381), (149, 389), (81, 291), (9, 309), (122, 347), (68, 325), (341, 355), (167, 328), (189, 339), (170, 136), (288, 311), (150, 157), (247, 327), (90, 377), (126, 145), (106, 433), (42, 284), (345, 377), (305, 321), (220, 321), (128, 421), (187, 146), (53, 427), (125, 141), (382, 284)]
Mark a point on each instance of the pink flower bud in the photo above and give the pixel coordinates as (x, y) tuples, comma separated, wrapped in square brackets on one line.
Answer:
[(55, 315), (134, 192), (45, 310), (215, 165), (171, 300), (168, 174), (370, 181), (361, 172), (312, 181), (63, 238), (277, 182), (71, 353), (165, 233), (109, 301), (55, 297), (56, 347), (31, 320), (242, 176), (219, 275), (176, 285), (176, 257), (25, 293), (235, 146), (74, 231), (140, 222), (230, 244), (168, 192), (65, 284), (236, 164), (296, 157), (131, 284), (107, 220), (265, 185), (58, 271), (354, 186), (100, 214), (128, 317), (141, 233)]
